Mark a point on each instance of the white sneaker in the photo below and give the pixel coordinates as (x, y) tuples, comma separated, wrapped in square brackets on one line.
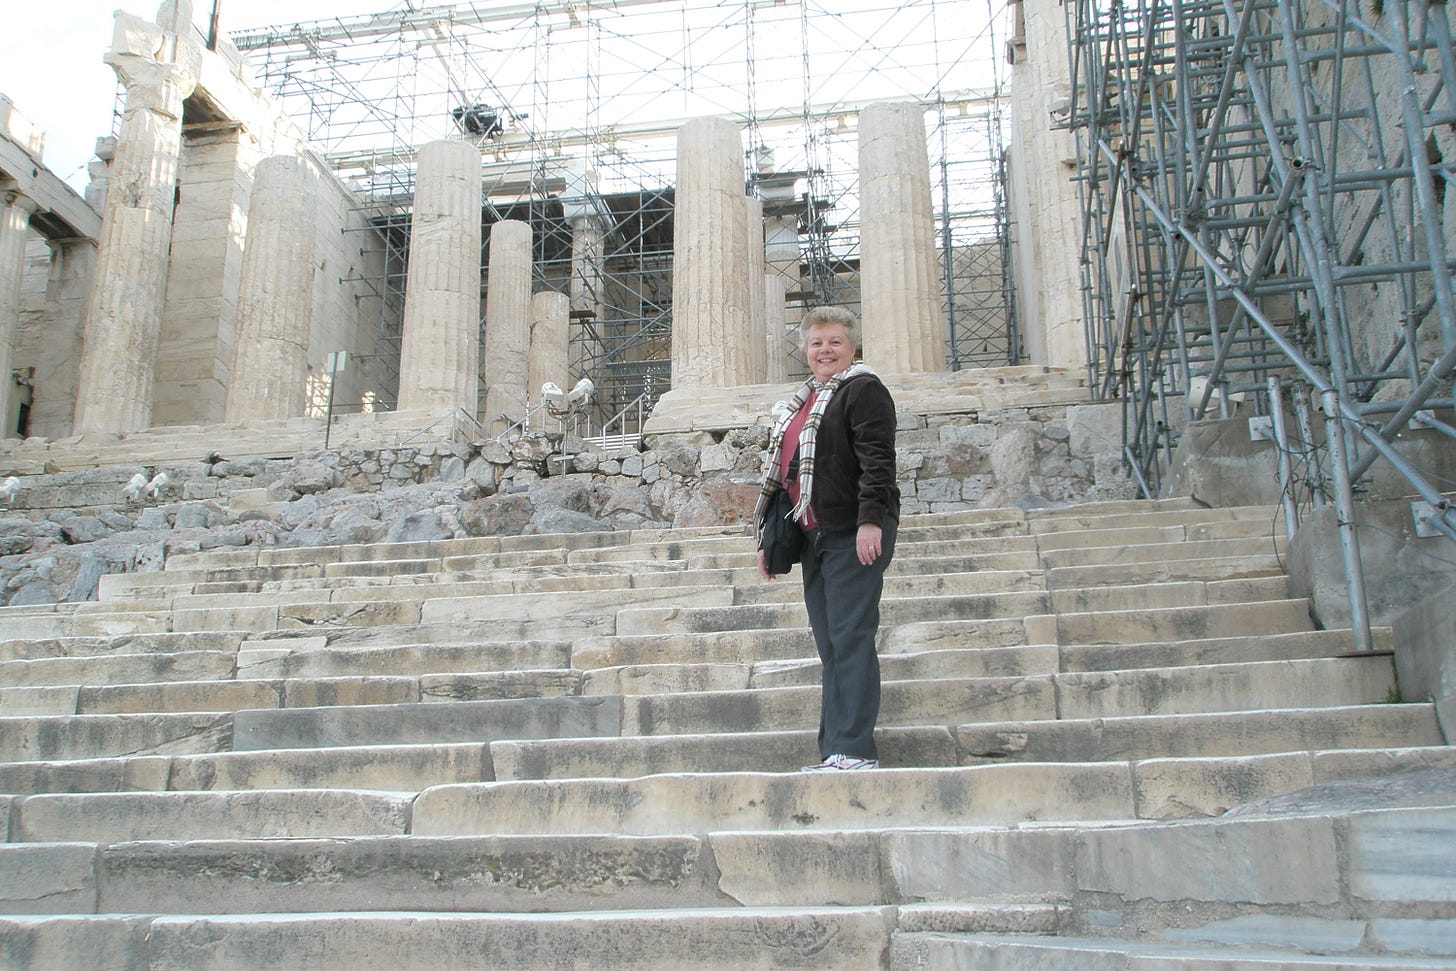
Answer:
[(842, 763)]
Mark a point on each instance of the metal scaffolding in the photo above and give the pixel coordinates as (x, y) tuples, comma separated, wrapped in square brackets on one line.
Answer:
[(575, 105), (1265, 232)]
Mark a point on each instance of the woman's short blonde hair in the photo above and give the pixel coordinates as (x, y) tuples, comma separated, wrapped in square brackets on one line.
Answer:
[(824, 316)]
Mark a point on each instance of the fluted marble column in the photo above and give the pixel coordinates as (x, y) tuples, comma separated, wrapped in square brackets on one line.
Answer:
[(507, 320), (1046, 203), (775, 340), (550, 355), (757, 321), (73, 266), (902, 324), (711, 294), (588, 242), (439, 358), (781, 264), (15, 211), (269, 374), (159, 69)]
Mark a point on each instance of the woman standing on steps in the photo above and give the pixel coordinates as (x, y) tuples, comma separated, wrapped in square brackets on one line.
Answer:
[(833, 450)]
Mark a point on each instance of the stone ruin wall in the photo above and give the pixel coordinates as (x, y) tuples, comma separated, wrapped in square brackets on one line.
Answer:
[(227, 129), (61, 531)]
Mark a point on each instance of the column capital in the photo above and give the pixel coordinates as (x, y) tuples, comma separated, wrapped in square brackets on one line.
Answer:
[(14, 198), (158, 66), (154, 85)]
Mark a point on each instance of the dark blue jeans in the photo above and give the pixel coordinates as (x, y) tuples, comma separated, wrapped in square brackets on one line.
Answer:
[(843, 599)]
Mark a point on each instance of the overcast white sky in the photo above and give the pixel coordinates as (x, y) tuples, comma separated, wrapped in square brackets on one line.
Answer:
[(50, 61)]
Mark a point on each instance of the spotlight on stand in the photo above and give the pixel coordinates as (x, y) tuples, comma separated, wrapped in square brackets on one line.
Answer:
[(483, 121)]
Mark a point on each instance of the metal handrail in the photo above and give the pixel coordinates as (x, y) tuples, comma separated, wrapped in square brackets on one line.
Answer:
[(452, 413), (576, 419)]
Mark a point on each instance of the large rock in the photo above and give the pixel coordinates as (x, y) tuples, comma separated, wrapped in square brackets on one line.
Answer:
[(308, 477), (503, 514)]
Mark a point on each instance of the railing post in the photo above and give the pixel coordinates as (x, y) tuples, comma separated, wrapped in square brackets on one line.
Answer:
[(1345, 513), (1281, 445)]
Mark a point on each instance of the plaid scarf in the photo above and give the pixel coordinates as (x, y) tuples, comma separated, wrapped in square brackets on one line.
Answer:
[(785, 412)]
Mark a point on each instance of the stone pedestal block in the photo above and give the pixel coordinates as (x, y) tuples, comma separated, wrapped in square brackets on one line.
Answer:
[(270, 350), (439, 364)]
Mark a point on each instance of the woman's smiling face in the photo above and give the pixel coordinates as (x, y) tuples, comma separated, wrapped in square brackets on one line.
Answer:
[(829, 350)]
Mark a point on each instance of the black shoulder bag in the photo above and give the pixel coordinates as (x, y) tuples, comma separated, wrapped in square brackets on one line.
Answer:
[(782, 539)]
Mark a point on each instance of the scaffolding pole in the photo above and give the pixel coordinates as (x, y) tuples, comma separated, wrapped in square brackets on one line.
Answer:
[(575, 107), (1274, 174)]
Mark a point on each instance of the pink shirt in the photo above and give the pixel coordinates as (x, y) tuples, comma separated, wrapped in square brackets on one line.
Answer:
[(786, 455)]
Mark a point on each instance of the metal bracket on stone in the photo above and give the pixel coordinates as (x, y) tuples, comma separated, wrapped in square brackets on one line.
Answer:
[(1261, 428), (1425, 516)]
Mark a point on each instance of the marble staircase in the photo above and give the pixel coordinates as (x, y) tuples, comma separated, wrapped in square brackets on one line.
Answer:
[(1110, 739)]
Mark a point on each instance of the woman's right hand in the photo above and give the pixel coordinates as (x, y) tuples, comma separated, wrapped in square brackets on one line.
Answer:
[(763, 567)]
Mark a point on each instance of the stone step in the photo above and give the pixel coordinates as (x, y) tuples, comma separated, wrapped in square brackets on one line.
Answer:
[(1036, 953), (161, 589), (1195, 735), (333, 657), (924, 558), (441, 557), (723, 939), (1219, 650), (401, 768), (1211, 568), (1381, 854), (798, 802), (686, 804), (789, 643), (1139, 737), (1190, 528), (1107, 507), (417, 767), (745, 585), (115, 669), (417, 589), (1084, 615), (523, 616), (665, 548), (1312, 683), (1108, 516), (1172, 624), (83, 620), (472, 873), (1114, 876), (52, 738), (100, 736), (414, 767), (162, 642), (1009, 661), (908, 576), (1238, 533), (287, 658), (249, 692), (384, 574), (1152, 552), (1300, 683)]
